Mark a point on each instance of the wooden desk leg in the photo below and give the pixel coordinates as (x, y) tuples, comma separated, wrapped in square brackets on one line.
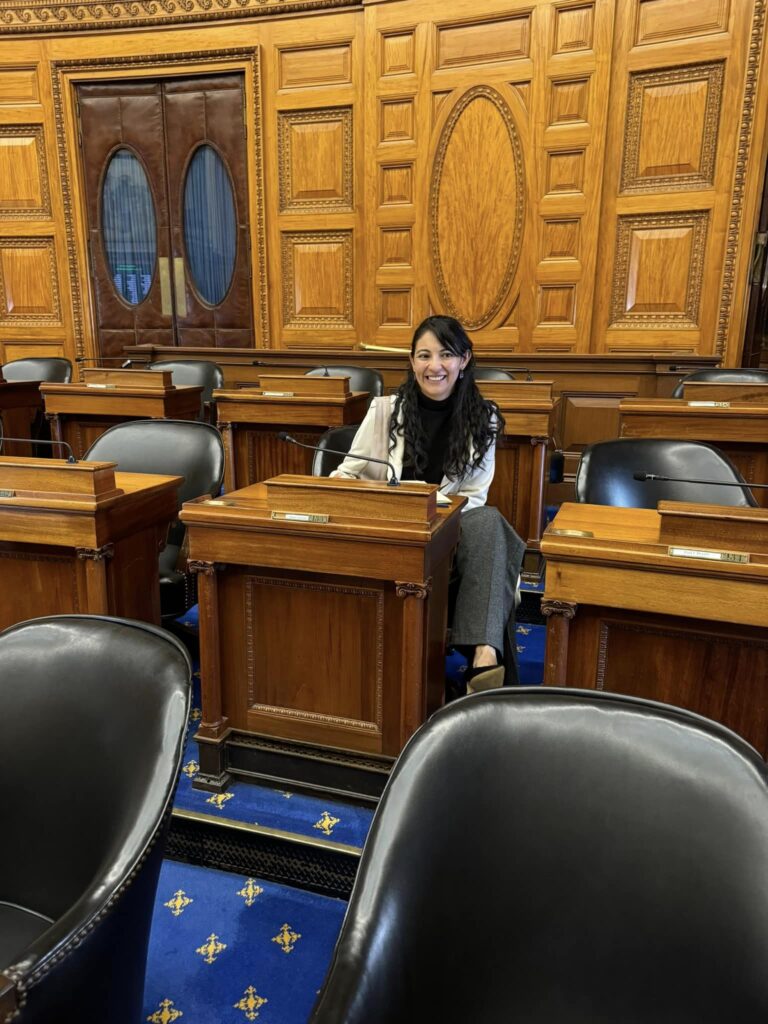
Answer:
[(230, 473), (558, 615), (412, 668), (536, 521), (214, 727), (96, 590), (57, 434)]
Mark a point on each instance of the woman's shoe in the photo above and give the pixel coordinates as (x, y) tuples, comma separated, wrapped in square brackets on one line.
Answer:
[(484, 677)]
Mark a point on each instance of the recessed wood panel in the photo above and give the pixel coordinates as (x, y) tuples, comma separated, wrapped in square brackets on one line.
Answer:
[(569, 101), (397, 53), (483, 42), (437, 102), (397, 120), (18, 86), (395, 184), (28, 281), (672, 128), (395, 307), (557, 305), (320, 65), (659, 20), (317, 279), (565, 171), (395, 247), (315, 159), (477, 206), (23, 177), (658, 269), (41, 584), (523, 90), (574, 28), (561, 239)]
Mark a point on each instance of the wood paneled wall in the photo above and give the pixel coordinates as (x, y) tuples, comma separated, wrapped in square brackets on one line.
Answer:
[(565, 176)]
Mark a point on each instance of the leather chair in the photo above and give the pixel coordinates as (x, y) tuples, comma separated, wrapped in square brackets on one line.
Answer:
[(92, 731), (561, 856), (715, 376), (605, 474), (53, 370), (491, 373), (362, 378), (174, 448), (195, 372), (338, 438)]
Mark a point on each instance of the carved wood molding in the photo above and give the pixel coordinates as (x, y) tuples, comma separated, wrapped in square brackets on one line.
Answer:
[(61, 71), (293, 317), (419, 590), (43, 16), (101, 554), (7, 313), (286, 119), (8, 132), (562, 609), (204, 568)]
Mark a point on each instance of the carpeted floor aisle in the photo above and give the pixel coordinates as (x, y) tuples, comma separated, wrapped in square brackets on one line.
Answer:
[(227, 949)]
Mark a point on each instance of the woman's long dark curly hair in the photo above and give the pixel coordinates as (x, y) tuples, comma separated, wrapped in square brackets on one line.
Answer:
[(475, 423)]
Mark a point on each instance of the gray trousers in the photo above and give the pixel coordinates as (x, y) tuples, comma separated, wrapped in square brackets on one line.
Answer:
[(486, 567)]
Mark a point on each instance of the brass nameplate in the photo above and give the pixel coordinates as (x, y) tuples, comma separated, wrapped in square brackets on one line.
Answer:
[(709, 405), (7, 494), (300, 517), (278, 394), (568, 533), (707, 554)]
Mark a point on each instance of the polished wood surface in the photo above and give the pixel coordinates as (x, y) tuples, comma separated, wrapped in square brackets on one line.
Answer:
[(81, 413), (81, 538), (329, 633), (20, 401), (250, 422), (623, 141), (625, 614), (699, 390), (740, 429)]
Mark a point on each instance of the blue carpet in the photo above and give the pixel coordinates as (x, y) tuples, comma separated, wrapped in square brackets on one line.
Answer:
[(226, 948)]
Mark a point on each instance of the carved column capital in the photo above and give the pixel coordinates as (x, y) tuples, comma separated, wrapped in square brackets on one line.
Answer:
[(539, 440), (204, 568), (420, 590), (563, 609), (96, 554)]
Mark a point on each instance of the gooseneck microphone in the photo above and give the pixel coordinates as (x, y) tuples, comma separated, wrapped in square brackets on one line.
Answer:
[(392, 482), (27, 440), (643, 477)]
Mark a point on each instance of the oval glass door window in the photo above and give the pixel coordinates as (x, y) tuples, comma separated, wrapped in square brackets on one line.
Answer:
[(209, 225), (129, 230)]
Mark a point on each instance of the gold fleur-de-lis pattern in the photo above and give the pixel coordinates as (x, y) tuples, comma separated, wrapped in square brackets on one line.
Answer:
[(178, 903), (218, 800), (251, 1003), (195, 714), (165, 1013), (191, 768), (524, 630), (211, 948), (327, 823), (286, 938), (250, 891)]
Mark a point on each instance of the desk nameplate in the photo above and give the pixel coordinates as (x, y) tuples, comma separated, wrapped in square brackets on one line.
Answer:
[(708, 554)]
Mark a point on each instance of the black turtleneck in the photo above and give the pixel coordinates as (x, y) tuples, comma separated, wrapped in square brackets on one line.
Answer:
[(435, 421)]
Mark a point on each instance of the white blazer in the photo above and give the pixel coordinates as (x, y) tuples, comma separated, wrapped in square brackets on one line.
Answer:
[(372, 439)]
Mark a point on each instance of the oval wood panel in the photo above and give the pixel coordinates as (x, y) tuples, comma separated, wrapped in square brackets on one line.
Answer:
[(477, 206)]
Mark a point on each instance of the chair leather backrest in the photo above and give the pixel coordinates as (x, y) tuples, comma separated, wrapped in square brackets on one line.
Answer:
[(561, 856), (605, 474), (195, 372), (491, 373), (362, 378), (716, 376), (338, 438), (171, 447), (52, 369)]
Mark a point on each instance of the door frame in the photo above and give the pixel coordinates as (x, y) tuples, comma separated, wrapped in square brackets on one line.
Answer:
[(66, 76)]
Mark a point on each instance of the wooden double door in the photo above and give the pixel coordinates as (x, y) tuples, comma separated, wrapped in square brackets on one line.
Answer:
[(164, 166)]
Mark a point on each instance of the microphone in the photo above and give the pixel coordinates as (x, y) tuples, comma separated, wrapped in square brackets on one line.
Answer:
[(522, 369), (125, 364), (392, 482), (684, 480), (27, 440)]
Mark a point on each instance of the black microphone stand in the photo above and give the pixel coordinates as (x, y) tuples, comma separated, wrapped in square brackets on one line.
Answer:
[(392, 482)]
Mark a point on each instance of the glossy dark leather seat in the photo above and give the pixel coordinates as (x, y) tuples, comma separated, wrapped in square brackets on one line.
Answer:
[(172, 448), (53, 370), (197, 373), (339, 438), (605, 474), (362, 378), (92, 730), (557, 856), (715, 376), (491, 373)]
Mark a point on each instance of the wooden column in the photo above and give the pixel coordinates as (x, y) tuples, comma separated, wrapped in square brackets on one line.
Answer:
[(214, 727), (558, 615), (412, 673), (96, 589)]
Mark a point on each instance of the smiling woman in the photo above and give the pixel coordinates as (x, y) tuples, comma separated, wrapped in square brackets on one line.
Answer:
[(439, 428)]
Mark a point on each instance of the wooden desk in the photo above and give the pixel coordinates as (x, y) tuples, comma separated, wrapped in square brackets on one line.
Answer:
[(529, 411), (251, 419), (80, 413), (321, 643), (624, 615), (81, 538), (19, 403), (740, 429)]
